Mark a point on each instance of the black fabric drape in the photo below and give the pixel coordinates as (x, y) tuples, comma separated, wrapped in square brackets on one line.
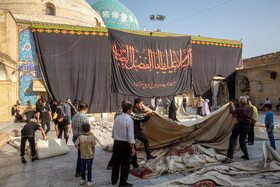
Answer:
[(76, 66), (148, 65), (210, 61)]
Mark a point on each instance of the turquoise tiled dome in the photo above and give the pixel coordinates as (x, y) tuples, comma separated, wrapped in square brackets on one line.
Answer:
[(115, 14)]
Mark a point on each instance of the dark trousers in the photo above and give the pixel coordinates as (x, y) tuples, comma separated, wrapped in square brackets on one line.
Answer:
[(87, 163), (60, 131), (199, 111), (240, 129), (79, 160), (32, 144), (121, 152), (46, 122), (185, 107), (134, 159), (142, 137), (251, 133)]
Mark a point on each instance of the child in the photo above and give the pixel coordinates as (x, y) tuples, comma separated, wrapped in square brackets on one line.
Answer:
[(269, 124), (28, 133), (86, 144)]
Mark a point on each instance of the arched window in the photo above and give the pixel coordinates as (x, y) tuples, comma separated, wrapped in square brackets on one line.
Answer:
[(50, 9), (245, 85)]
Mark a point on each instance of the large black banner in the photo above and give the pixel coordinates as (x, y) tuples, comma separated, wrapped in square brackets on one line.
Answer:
[(210, 61), (149, 66)]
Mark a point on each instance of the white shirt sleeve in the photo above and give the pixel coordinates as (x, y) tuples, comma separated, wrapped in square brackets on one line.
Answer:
[(130, 132)]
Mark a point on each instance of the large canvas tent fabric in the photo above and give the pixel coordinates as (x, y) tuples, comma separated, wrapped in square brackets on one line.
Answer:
[(149, 66)]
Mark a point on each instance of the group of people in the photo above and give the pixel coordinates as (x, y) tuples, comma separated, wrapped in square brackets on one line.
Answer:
[(157, 101), (247, 115), (126, 129)]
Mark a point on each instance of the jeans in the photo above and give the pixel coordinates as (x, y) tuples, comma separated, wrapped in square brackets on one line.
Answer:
[(87, 163), (242, 130), (46, 122), (60, 131), (79, 161), (32, 144), (271, 137)]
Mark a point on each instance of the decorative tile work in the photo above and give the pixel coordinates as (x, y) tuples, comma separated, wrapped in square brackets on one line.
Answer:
[(30, 66), (27, 50), (27, 95), (116, 15)]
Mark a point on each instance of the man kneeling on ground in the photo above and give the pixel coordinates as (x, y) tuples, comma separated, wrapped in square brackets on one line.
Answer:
[(28, 133), (62, 124)]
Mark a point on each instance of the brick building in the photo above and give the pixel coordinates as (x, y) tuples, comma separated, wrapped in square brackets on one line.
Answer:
[(260, 79)]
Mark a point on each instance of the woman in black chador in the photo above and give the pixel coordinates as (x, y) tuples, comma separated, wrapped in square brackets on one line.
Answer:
[(172, 110)]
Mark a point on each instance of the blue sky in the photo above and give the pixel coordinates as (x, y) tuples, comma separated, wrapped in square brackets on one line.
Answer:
[(256, 22)]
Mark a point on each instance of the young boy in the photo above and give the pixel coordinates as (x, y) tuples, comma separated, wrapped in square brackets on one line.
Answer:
[(28, 133), (62, 124), (86, 144), (269, 124)]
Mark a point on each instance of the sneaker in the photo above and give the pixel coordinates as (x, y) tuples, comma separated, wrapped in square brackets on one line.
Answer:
[(250, 143), (151, 157), (83, 182), (91, 183), (126, 184), (227, 160), (23, 160), (109, 167), (245, 157), (78, 174)]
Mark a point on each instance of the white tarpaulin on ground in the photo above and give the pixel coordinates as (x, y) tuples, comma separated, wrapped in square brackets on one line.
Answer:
[(44, 149), (250, 173)]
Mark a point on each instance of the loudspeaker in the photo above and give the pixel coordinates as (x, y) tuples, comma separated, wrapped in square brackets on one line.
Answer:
[(273, 75)]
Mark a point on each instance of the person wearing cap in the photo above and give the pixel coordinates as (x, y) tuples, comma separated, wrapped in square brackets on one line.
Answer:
[(244, 115)]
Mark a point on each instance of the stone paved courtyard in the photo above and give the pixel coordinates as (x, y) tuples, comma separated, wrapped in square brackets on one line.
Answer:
[(60, 171)]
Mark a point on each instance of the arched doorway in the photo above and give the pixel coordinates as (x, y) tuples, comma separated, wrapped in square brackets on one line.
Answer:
[(220, 91)]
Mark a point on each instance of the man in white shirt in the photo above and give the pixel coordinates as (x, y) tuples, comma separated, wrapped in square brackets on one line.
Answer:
[(153, 103), (123, 148), (267, 101)]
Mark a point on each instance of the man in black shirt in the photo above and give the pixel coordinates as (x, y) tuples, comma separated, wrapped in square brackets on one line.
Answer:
[(28, 133), (62, 124), (44, 113)]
